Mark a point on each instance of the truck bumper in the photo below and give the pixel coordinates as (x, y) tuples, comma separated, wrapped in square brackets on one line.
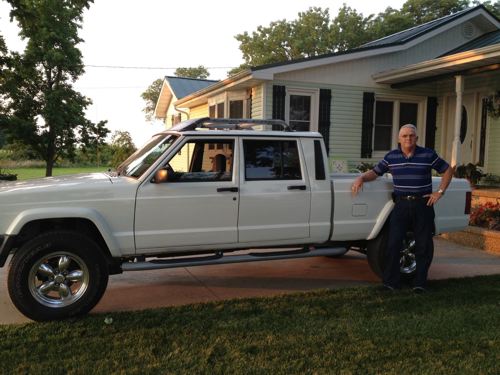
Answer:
[(6, 244)]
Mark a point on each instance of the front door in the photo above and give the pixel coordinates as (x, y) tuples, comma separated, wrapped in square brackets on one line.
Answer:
[(467, 128), (275, 194), (198, 205)]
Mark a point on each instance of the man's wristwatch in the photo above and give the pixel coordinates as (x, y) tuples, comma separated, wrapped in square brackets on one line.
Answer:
[(441, 191)]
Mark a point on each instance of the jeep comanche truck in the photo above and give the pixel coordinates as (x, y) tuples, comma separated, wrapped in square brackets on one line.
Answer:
[(192, 195)]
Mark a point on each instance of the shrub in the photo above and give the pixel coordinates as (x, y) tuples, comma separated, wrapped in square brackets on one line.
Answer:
[(365, 166), (471, 172), (7, 176), (486, 215)]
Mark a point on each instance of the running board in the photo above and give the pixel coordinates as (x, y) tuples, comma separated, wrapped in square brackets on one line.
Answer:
[(219, 258)]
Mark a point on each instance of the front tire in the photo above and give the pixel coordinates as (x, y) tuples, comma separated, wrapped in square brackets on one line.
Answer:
[(57, 275)]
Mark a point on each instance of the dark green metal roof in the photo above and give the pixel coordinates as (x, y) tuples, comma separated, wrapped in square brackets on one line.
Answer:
[(182, 87)]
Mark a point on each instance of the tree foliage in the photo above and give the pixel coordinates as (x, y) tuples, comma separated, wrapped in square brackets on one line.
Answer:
[(122, 147), (315, 33), (199, 72), (150, 97), (43, 110)]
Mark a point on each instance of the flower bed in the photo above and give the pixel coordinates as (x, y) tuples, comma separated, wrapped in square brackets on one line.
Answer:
[(486, 215)]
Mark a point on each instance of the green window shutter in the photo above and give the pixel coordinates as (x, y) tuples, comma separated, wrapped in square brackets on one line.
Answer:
[(430, 122), (367, 124), (325, 98), (279, 93)]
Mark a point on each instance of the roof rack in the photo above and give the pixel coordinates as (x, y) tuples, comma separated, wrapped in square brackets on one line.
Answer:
[(229, 124)]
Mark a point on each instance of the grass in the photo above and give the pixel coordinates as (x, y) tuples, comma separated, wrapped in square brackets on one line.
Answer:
[(455, 329), (29, 173)]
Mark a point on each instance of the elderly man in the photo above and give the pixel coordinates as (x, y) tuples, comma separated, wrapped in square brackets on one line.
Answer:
[(411, 168)]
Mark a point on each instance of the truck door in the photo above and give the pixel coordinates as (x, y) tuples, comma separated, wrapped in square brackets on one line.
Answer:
[(275, 194), (198, 205)]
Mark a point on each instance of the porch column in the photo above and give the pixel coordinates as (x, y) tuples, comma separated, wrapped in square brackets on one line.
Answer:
[(455, 152)]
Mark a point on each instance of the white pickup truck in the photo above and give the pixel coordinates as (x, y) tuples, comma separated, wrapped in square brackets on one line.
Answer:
[(193, 194)]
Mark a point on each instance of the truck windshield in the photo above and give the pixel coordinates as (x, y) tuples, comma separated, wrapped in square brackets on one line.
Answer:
[(142, 159)]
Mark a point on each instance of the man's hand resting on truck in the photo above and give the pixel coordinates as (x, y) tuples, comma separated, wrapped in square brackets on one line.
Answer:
[(357, 186)]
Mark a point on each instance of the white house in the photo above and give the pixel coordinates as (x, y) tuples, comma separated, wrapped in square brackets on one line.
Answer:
[(438, 76)]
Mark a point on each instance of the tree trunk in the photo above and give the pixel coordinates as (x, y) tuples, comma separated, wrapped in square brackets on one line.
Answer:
[(48, 168)]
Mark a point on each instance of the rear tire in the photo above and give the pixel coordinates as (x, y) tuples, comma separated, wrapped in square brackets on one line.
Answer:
[(57, 275), (376, 254)]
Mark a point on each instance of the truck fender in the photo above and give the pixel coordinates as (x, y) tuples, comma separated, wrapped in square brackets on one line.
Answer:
[(381, 220), (94, 216)]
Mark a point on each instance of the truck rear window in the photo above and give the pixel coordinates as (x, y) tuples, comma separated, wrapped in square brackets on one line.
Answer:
[(271, 160)]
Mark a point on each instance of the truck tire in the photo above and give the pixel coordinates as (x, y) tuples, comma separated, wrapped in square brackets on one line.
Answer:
[(376, 254), (57, 275)]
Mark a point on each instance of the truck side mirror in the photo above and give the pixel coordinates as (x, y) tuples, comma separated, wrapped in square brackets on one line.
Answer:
[(161, 176)]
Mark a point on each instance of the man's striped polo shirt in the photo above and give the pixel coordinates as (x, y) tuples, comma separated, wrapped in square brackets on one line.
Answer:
[(413, 175)]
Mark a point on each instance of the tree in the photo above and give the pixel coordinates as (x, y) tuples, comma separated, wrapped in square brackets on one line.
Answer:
[(94, 139), (150, 96), (349, 29), (314, 33), (309, 35), (199, 72), (43, 110), (122, 147), (492, 7)]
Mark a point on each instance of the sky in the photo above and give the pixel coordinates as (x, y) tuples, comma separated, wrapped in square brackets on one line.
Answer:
[(166, 35)]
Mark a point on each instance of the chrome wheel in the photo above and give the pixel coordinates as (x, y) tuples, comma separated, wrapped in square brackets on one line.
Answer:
[(407, 262), (59, 279)]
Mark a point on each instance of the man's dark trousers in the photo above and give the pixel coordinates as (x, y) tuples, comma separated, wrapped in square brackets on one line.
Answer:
[(416, 216)]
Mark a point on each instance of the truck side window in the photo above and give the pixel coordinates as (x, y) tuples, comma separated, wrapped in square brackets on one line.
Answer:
[(318, 161), (203, 160), (271, 160)]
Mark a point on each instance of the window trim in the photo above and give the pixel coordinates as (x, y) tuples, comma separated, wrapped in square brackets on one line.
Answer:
[(397, 99), (271, 139), (314, 94), (214, 140), (227, 97)]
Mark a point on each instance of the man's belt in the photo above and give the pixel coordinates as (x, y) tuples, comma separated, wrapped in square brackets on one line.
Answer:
[(408, 197)]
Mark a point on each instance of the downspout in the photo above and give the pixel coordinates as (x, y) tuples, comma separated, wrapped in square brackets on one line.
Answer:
[(181, 111)]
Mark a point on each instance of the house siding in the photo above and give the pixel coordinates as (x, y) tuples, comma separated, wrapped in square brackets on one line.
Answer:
[(257, 104), (198, 112)]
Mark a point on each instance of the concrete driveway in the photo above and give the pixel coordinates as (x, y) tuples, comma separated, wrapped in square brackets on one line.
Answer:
[(149, 289)]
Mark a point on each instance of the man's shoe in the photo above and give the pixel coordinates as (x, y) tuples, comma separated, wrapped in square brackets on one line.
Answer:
[(388, 288), (419, 290)]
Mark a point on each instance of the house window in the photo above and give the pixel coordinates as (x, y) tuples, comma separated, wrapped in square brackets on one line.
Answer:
[(220, 110), (390, 115), (301, 109), (236, 109), (216, 110), (384, 114)]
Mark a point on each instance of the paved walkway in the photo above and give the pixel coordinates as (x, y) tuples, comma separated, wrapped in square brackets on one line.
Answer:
[(149, 289)]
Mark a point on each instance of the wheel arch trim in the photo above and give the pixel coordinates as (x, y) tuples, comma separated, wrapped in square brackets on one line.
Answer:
[(381, 220), (92, 215)]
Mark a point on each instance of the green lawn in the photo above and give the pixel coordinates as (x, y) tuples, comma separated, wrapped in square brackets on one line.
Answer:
[(455, 329), (28, 173)]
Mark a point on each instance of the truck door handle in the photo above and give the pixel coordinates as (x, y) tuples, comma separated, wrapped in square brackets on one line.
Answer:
[(229, 189), (297, 187)]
